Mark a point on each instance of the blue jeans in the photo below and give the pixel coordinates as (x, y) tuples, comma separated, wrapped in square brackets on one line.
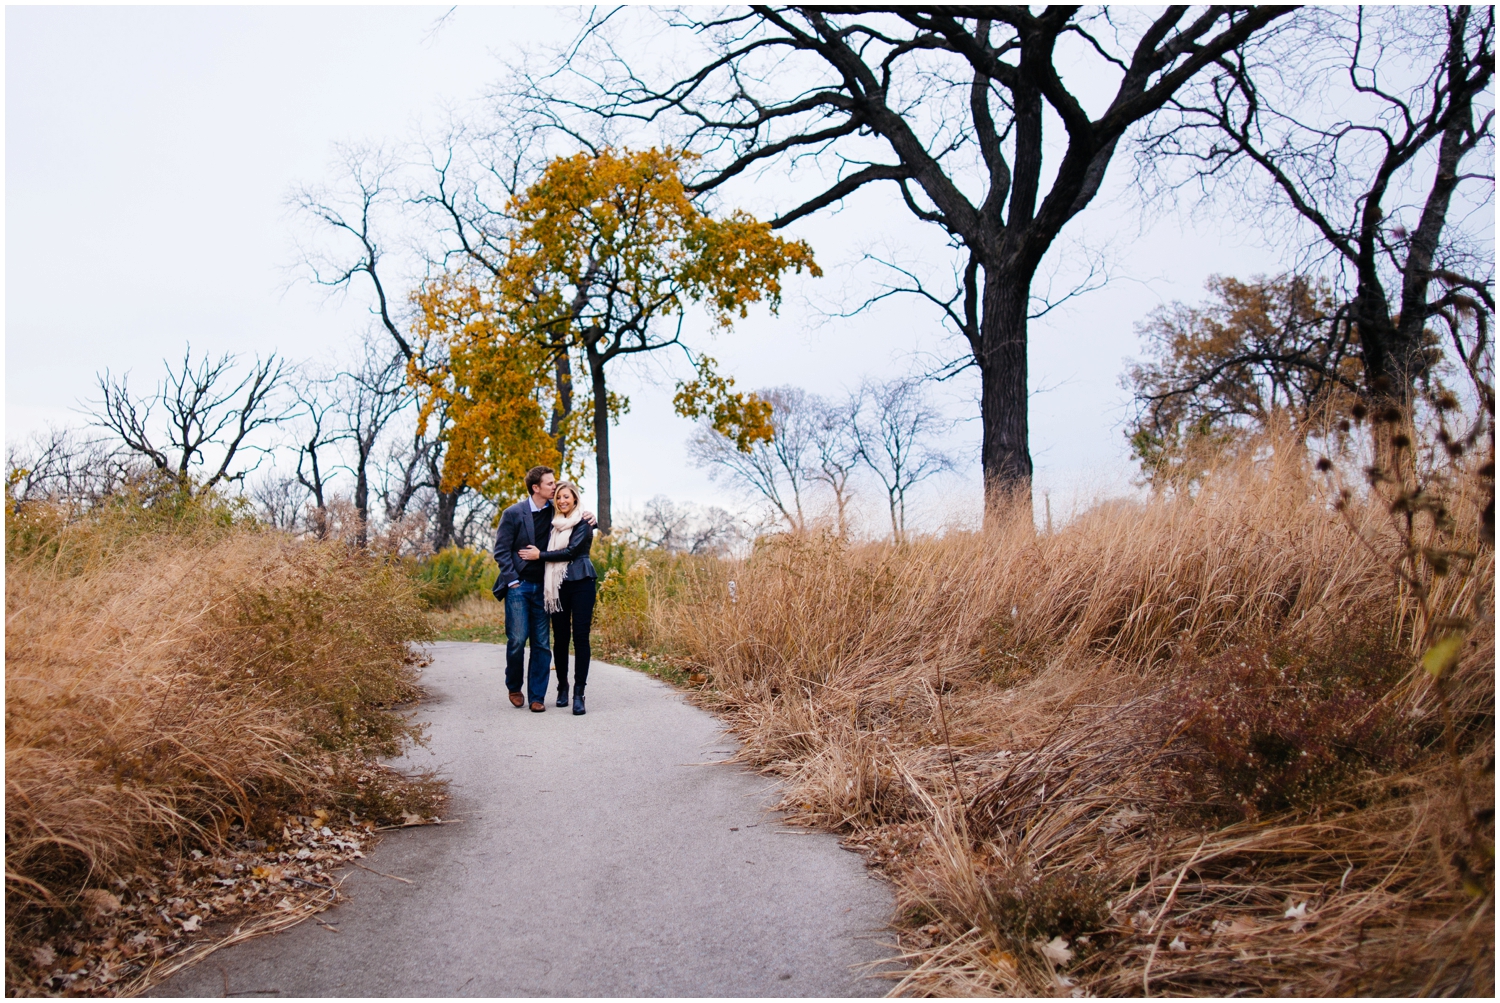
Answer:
[(526, 619)]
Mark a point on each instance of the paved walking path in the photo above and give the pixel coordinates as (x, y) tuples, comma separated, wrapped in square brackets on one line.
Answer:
[(594, 859)]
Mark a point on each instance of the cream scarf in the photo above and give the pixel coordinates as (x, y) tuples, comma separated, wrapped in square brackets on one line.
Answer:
[(552, 574)]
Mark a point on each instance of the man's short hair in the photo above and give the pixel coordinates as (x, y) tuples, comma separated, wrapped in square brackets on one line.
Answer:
[(534, 477)]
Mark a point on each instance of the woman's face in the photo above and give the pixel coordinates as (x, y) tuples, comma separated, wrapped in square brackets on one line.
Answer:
[(565, 501)]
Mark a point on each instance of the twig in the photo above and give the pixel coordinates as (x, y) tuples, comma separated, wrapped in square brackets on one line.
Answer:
[(415, 825), (958, 790), (314, 884), (372, 870), (1156, 942)]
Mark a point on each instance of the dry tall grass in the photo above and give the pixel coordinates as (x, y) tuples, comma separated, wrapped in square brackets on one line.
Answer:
[(173, 679), (1176, 747)]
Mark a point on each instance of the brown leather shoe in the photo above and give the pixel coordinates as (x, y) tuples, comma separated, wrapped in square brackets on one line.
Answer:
[(537, 706), (516, 700)]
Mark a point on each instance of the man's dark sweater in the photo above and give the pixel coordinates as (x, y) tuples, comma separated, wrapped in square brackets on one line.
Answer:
[(541, 525)]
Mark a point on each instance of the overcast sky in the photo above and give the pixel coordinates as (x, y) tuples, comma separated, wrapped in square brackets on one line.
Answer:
[(149, 153)]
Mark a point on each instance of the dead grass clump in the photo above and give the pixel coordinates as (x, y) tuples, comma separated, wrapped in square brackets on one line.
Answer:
[(174, 680), (1181, 746)]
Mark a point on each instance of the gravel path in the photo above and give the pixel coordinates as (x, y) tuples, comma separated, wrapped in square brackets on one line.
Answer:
[(602, 855)]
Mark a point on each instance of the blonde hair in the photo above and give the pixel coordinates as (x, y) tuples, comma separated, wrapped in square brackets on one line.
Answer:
[(577, 494)]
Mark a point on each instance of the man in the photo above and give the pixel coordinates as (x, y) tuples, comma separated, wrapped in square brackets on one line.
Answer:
[(519, 586)]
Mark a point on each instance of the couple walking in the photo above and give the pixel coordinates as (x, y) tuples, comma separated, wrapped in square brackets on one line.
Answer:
[(537, 586)]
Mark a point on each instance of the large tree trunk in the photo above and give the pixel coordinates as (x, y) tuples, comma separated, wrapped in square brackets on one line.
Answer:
[(447, 508), (1005, 456), (320, 509), (601, 439), (362, 499), (563, 408), (1392, 364)]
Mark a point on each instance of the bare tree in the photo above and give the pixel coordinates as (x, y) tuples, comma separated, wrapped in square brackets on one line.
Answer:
[(316, 430), (205, 418), (896, 426), (688, 529), (61, 464), (403, 474), (1345, 143), (474, 521), (838, 454), (279, 500), (351, 214), (938, 102), (777, 471), (369, 395)]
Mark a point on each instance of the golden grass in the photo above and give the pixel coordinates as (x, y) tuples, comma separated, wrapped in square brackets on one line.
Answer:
[(998, 720), (176, 683)]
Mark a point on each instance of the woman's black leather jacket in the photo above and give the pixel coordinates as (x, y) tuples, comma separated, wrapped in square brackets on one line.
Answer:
[(576, 553)]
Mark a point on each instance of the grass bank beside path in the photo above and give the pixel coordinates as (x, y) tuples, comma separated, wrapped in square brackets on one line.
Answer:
[(1182, 746), (194, 711)]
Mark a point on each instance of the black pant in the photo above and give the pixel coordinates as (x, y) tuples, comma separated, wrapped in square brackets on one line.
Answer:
[(575, 619)]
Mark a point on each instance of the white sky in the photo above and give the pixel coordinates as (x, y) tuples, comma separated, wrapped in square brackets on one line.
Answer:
[(149, 152)]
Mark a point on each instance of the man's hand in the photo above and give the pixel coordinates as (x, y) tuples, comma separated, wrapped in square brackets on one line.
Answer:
[(588, 517), (528, 553)]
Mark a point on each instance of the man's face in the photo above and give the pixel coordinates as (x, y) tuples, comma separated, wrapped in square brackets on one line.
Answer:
[(544, 491)]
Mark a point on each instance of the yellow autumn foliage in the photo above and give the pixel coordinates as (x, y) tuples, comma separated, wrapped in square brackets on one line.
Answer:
[(605, 249), (490, 383)]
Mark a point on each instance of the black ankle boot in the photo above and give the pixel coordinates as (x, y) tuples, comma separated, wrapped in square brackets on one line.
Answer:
[(578, 703), (562, 692)]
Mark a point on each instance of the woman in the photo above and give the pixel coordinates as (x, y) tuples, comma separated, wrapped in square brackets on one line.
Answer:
[(568, 590)]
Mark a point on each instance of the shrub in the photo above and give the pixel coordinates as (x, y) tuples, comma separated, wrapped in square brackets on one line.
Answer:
[(1284, 724), (624, 605), (453, 574), (1028, 907)]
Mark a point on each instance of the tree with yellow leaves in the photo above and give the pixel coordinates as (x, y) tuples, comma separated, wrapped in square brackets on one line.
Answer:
[(484, 384), (607, 252)]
